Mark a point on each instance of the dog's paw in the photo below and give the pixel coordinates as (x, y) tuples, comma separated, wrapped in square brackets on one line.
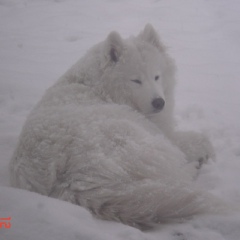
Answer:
[(201, 161), (197, 147)]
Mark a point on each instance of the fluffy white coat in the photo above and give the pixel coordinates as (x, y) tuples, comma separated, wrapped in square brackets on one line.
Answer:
[(97, 139)]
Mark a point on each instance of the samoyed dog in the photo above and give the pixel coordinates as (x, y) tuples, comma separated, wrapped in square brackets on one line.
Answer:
[(103, 137)]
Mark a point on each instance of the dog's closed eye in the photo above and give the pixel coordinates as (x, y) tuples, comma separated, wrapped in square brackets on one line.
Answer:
[(136, 81)]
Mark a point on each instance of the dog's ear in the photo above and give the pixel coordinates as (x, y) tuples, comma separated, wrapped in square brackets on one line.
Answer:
[(114, 46), (149, 35)]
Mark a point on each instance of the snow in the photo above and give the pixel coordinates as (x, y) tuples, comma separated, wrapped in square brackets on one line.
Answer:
[(41, 39)]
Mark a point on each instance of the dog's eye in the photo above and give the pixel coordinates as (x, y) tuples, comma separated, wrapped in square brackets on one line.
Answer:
[(156, 78), (137, 81)]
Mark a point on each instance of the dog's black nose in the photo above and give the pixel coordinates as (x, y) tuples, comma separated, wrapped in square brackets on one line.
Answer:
[(158, 103)]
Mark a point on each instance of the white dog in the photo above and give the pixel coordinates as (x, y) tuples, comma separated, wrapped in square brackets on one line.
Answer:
[(103, 137)]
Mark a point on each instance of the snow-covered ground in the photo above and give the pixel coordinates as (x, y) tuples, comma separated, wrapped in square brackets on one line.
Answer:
[(40, 39)]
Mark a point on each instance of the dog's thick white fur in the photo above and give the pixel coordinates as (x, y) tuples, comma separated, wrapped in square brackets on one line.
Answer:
[(103, 137)]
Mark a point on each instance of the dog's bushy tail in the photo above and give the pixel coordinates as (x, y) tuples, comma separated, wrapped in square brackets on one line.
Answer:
[(145, 203)]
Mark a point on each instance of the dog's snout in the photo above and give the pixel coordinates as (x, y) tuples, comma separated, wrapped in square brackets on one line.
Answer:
[(158, 103)]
